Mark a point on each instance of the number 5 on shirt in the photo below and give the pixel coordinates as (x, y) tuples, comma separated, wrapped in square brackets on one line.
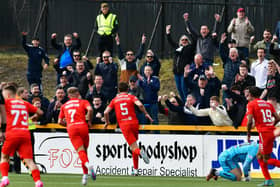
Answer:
[(124, 110)]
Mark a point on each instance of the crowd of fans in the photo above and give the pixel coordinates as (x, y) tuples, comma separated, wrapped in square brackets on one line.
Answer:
[(199, 89)]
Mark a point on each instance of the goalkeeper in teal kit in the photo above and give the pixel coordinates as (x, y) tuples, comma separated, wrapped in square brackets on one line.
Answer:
[(243, 153)]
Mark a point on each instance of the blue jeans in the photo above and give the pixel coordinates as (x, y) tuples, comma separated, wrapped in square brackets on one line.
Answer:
[(142, 120), (152, 109), (141, 117), (181, 86)]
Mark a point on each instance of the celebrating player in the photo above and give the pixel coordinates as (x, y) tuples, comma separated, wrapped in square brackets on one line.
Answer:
[(74, 111), (17, 135), (124, 104), (262, 112), (229, 159)]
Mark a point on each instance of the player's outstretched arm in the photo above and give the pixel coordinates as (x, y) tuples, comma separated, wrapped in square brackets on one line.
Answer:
[(39, 112), (106, 116)]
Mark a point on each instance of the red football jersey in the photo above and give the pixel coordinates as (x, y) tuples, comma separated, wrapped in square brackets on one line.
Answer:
[(17, 113), (262, 113), (124, 108), (74, 111)]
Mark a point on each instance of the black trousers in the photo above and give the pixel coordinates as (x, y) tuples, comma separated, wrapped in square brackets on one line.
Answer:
[(105, 43)]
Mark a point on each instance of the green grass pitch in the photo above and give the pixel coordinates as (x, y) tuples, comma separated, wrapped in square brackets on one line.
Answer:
[(66, 180)]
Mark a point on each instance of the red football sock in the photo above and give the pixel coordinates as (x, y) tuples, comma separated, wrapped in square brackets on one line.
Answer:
[(85, 169), (4, 168), (264, 169), (36, 175), (137, 151), (83, 156), (135, 159), (274, 162)]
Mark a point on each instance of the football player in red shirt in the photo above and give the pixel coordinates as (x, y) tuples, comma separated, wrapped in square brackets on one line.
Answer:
[(17, 135), (124, 104), (263, 113), (75, 111)]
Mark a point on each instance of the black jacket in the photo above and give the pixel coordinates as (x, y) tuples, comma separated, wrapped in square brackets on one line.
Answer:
[(238, 109), (205, 46), (209, 91), (61, 48), (44, 101), (248, 81), (155, 64), (90, 95), (101, 110), (80, 81), (52, 115), (109, 73), (35, 57), (183, 55)]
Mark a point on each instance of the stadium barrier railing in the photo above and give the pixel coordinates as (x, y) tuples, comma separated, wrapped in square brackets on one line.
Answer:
[(160, 127)]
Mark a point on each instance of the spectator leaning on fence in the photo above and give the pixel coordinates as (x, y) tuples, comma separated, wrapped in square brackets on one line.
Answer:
[(153, 61), (216, 112), (35, 55), (129, 63), (109, 72), (259, 69), (40, 120), (98, 110), (206, 41), (184, 53), (241, 29), (107, 26), (175, 111)]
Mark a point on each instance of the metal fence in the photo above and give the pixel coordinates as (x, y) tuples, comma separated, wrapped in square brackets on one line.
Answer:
[(136, 17)]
